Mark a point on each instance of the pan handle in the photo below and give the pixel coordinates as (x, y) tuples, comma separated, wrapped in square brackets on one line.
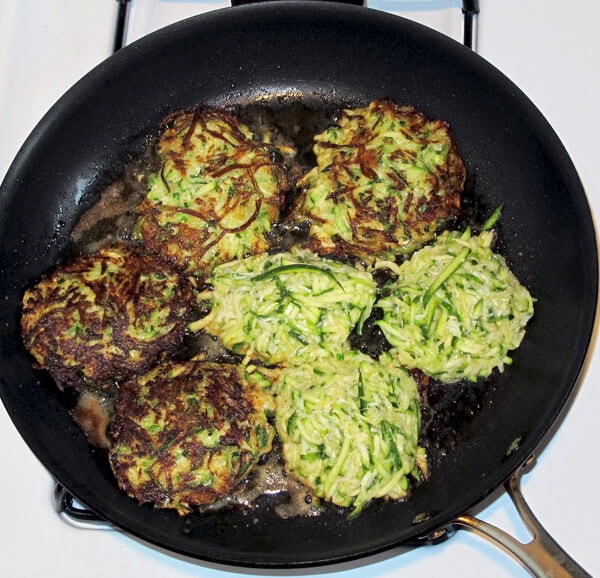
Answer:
[(542, 557)]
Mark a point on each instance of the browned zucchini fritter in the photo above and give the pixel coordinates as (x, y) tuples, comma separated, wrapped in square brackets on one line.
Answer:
[(105, 317), (386, 179), (216, 195), (187, 433)]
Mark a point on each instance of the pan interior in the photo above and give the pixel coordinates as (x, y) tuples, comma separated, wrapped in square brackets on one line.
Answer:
[(336, 56)]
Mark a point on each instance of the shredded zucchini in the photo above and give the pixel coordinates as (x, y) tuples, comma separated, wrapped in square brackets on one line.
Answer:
[(274, 308), (350, 428), (386, 179), (456, 310)]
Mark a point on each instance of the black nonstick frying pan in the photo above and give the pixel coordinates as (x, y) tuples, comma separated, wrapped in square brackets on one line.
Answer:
[(324, 55)]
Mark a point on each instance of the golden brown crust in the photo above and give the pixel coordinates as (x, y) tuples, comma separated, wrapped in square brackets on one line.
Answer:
[(215, 196), (386, 179), (105, 317), (187, 433)]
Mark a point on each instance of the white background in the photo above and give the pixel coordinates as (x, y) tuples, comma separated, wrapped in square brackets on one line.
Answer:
[(550, 49)]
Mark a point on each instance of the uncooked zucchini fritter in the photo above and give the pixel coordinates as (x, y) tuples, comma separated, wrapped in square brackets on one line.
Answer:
[(456, 310), (186, 434), (216, 195), (105, 317), (386, 179), (350, 428), (282, 307)]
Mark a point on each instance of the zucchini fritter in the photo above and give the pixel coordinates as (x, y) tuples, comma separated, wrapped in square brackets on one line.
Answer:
[(456, 310), (350, 428), (216, 195), (186, 434), (105, 317), (386, 179), (277, 308)]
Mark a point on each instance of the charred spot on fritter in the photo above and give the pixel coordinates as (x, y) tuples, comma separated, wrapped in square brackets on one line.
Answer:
[(187, 433), (105, 317), (387, 178), (216, 195)]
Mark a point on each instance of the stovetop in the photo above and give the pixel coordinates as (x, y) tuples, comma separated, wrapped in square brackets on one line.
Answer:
[(549, 49)]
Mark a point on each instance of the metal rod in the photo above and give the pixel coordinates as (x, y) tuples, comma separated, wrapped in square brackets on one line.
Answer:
[(78, 516), (119, 40), (470, 9)]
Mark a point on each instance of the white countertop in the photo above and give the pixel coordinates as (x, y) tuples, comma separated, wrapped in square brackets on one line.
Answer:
[(552, 51)]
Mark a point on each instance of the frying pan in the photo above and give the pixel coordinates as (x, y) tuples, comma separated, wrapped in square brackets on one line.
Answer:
[(325, 55)]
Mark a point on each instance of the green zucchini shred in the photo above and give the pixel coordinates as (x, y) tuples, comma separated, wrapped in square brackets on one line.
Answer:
[(493, 219), (295, 268)]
